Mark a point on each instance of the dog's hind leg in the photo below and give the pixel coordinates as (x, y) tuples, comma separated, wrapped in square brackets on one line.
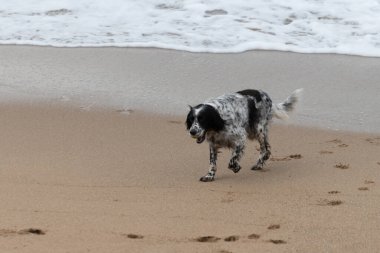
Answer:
[(212, 170), (236, 155), (264, 149)]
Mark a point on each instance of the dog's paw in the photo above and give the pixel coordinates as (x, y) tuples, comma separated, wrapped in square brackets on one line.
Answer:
[(234, 167), (266, 155), (258, 166), (207, 178)]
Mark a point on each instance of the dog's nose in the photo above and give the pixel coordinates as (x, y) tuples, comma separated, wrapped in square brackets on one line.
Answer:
[(193, 132)]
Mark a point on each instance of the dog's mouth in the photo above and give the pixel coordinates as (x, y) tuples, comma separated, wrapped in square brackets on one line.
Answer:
[(201, 138)]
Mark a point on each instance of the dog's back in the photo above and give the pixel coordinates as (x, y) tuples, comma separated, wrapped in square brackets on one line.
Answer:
[(247, 109), (233, 108)]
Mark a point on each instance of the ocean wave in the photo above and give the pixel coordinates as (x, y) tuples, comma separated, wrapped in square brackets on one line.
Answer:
[(311, 26)]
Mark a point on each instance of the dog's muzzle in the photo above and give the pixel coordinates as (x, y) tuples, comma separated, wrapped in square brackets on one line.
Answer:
[(199, 135)]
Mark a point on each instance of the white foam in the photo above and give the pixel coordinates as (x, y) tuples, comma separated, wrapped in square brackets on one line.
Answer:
[(218, 26)]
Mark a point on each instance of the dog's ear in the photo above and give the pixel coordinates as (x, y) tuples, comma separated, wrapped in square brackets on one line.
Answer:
[(211, 119), (190, 107), (189, 118)]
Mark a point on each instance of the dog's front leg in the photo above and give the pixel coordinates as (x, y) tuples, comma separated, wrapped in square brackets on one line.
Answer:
[(236, 155), (212, 170)]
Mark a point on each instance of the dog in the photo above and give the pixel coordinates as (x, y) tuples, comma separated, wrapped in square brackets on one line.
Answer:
[(229, 120)]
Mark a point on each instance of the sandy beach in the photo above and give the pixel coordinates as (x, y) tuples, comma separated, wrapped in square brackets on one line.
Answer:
[(80, 176)]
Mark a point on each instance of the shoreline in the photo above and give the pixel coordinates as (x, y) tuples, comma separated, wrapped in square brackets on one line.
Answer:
[(186, 50)]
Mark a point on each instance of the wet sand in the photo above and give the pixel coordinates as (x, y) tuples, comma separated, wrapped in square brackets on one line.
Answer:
[(340, 92), (105, 181)]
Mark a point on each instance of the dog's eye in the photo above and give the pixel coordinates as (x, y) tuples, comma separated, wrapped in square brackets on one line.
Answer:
[(200, 118)]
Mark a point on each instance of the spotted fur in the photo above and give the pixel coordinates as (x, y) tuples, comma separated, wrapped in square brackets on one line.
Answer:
[(229, 120)]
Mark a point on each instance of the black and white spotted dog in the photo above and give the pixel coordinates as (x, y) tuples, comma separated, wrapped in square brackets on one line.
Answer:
[(228, 120)]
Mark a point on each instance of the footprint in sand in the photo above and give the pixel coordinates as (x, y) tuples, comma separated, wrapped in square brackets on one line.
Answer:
[(280, 159), (325, 152), (375, 140), (333, 192), (34, 231), (277, 241), (135, 236), (339, 143), (369, 182), (286, 158), (274, 226), (335, 141), (326, 202), (207, 239), (254, 236), (342, 166), (231, 238), (363, 189)]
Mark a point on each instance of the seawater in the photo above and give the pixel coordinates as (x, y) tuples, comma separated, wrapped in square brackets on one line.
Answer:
[(216, 26)]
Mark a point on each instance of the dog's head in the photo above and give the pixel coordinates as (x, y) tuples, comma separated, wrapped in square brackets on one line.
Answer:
[(202, 119)]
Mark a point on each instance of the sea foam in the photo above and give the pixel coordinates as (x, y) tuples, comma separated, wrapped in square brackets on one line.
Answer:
[(216, 26)]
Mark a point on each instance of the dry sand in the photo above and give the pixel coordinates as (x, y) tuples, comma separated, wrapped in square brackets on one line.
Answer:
[(104, 181)]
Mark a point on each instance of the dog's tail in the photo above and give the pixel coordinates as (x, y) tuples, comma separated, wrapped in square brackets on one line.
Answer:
[(281, 110)]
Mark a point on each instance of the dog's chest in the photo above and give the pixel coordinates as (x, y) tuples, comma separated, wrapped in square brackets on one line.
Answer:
[(229, 137), (220, 140)]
